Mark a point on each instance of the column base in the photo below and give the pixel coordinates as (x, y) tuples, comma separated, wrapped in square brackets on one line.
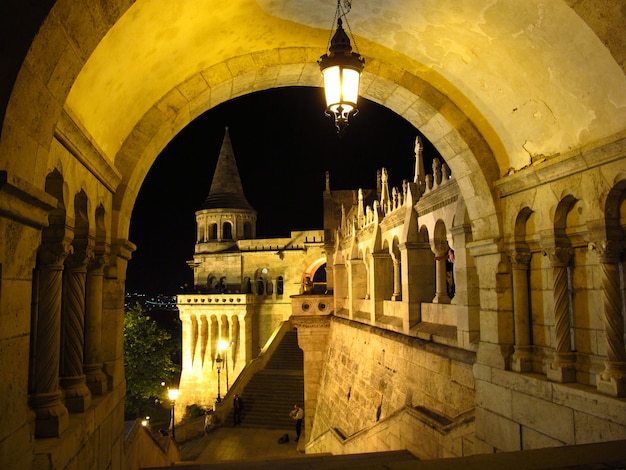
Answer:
[(441, 299), (612, 380), (52, 417), (563, 368), (77, 394), (522, 359), (96, 380)]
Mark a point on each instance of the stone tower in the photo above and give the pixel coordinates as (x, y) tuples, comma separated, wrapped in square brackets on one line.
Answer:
[(225, 217), (243, 287)]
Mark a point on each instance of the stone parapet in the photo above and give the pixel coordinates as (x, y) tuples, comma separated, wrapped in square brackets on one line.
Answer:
[(215, 299)]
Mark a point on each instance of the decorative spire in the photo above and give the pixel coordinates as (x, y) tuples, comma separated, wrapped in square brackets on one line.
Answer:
[(226, 189), (420, 172), (385, 199)]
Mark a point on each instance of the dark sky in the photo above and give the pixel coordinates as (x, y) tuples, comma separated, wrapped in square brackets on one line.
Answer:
[(283, 144)]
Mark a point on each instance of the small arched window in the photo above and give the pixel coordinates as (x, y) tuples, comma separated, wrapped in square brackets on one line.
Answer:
[(213, 232), (279, 285), (247, 285), (227, 231)]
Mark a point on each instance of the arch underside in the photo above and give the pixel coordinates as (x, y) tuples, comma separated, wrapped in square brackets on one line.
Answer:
[(126, 100)]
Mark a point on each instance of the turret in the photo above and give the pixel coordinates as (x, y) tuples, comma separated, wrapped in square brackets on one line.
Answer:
[(226, 215)]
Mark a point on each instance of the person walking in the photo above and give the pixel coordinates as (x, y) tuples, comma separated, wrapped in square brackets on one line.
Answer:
[(237, 408), (298, 415)]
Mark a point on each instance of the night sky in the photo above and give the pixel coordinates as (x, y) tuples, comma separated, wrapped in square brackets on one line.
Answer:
[(283, 144)]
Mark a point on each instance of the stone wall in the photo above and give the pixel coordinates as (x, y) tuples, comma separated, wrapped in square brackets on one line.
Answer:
[(372, 374), (513, 408)]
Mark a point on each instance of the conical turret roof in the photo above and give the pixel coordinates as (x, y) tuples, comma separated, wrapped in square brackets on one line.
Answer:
[(226, 189)]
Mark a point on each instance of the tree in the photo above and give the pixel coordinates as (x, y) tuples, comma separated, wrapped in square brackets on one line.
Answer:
[(148, 352)]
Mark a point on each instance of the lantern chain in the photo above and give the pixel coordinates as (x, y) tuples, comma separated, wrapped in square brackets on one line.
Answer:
[(342, 11)]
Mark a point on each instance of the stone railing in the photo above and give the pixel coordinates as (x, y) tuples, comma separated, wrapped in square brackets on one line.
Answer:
[(432, 436), (213, 299), (143, 449)]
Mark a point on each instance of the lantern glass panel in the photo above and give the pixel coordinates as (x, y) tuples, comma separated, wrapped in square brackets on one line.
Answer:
[(332, 85), (350, 85)]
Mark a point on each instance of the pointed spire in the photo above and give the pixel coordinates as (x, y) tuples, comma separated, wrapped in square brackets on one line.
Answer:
[(360, 209), (226, 189), (385, 199), (420, 173)]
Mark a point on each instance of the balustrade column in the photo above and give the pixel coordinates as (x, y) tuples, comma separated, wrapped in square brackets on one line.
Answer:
[(563, 366), (96, 379), (199, 333), (612, 380), (441, 283), (522, 357), (51, 414), (73, 379)]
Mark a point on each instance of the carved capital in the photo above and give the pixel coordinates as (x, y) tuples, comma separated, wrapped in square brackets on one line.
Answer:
[(520, 259), (559, 256), (53, 254), (98, 261), (78, 259), (609, 251)]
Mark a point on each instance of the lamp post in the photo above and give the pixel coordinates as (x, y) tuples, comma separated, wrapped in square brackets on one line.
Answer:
[(219, 368), (172, 393), (341, 69), (222, 347)]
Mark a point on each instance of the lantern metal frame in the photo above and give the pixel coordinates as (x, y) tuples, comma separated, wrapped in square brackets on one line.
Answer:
[(341, 69)]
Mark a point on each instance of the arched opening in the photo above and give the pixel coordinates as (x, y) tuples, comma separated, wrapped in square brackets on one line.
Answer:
[(227, 231)]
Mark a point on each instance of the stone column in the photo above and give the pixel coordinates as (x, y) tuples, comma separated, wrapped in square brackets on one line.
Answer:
[(563, 366), (73, 379), (522, 357), (199, 333), (96, 380), (612, 380), (441, 285), (51, 413), (397, 284)]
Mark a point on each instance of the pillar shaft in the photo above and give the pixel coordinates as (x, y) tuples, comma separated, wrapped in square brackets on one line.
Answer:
[(96, 379), (612, 380), (73, 379), (51, 413), (441, 284), (563, 367), (522, 357), (397, 284)]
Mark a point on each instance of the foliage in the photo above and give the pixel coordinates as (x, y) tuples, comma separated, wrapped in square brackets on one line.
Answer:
[(192, 412), (148, 352)]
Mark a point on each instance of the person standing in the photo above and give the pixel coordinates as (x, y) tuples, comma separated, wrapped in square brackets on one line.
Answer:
[(237, 407), (298, 415)]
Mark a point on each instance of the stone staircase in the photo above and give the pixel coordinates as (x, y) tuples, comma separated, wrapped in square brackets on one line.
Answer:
[(271, 393)]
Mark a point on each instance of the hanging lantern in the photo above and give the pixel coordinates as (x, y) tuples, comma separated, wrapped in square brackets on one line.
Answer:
[(341, 69)]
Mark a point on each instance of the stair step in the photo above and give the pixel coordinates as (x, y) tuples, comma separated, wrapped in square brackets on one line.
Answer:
[(271, 393)]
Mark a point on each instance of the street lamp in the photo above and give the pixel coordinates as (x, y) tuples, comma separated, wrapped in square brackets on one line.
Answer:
[(172, 393), (341, 69), (219, 368), (222, 346)]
